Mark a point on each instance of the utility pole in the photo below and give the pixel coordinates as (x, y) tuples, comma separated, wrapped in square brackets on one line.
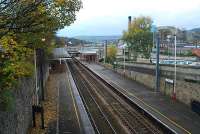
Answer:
[(105, 51), (157, 64), (36, 101), (174, 90), (124, 58), (157, 40)]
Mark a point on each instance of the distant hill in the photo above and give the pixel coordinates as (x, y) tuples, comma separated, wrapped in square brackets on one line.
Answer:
[(76, 41), (195, 30), (182, 35), (61, 41), (193, 34), (98, 39)]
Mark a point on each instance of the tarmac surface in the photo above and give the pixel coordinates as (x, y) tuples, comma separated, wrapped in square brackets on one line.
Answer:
[(72, 117), (68, 121), (172, 113)]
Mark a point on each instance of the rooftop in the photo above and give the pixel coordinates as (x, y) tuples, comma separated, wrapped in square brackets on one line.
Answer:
[(196, 52), (60, 53)]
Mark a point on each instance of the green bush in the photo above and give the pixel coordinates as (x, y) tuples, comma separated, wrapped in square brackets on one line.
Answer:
[(6, 100)]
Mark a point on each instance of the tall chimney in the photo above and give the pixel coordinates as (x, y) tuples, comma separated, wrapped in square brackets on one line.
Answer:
[(129, 22)]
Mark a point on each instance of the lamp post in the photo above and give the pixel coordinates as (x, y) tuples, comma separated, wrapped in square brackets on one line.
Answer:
[(154, 30), (124, 47), (124, 59), (168, 40), (105, 51), (36, 79), (104, 54), (43, 39), (174, 90), (41, 56), (157, 64)]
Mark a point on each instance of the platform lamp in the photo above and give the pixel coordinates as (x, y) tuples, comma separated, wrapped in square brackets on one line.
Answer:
[(157, 62), (43, 39), (174, 89), (105, 51), (168, 41), (37, 106), (35, 71), (157, 40), (124, 47), (41, 68)]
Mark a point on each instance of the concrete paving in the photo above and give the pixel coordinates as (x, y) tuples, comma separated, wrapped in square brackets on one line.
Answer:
[(172, 113)]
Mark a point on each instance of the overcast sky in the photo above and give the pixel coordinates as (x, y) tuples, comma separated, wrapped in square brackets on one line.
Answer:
[(109, 17)]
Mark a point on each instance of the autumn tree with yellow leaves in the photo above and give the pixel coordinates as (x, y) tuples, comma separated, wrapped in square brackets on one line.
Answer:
[(23, 25), (111, 53), (139, 37)]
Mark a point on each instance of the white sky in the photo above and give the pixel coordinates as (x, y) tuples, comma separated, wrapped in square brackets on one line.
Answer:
[(109, 17)]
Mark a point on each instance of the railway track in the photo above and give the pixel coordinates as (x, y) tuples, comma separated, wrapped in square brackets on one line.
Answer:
[(96, 115), (108, 111)]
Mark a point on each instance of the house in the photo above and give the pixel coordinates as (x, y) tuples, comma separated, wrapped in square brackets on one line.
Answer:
[(196, 52), (88, 55)]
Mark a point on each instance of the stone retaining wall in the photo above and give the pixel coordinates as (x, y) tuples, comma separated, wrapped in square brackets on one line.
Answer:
[(187, 83), (19, 119)]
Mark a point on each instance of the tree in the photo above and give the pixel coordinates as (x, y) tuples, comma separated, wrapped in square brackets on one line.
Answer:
[(139, 37), (23, 25), (111, 53), (22, 16)]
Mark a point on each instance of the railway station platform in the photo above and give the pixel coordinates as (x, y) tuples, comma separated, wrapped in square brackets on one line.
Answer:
[(71, 114), (171, 113)]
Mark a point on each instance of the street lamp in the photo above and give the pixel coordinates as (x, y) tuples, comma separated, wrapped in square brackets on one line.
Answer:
[(105, 51), (35, 71), (124, 47), (43, 39), (168, 40), (174, 90), (36, 75), (157, 63), (154, 30), (36, 78)]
